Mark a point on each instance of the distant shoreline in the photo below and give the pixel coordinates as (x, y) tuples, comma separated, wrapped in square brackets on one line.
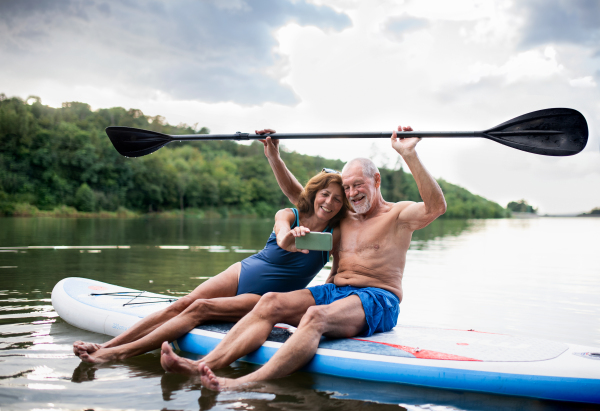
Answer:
[(570, 215), (518, 215), (29, 211)]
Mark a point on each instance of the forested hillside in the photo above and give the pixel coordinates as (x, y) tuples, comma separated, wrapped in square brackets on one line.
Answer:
[(57, 157)]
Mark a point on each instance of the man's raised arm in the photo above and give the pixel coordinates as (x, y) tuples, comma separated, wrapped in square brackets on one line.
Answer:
[(419, 215), (286, 180)]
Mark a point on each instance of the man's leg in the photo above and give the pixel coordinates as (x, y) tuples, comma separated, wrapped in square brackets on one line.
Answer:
[(341, 319), (222, 285), (200, 311), (248, 334)]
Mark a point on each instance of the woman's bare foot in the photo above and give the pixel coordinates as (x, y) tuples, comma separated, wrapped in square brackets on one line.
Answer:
[(171, 362), (80, 346), (100, 356), (209, 380)]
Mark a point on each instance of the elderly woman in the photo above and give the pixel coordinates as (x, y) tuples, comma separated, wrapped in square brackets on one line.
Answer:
[(231, 294)]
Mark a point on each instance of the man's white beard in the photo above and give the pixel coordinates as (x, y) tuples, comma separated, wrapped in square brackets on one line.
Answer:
[(363, 207)]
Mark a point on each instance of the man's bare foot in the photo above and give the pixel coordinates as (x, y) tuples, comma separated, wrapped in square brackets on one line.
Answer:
[(171, 362), (209, 380), (81, 346)]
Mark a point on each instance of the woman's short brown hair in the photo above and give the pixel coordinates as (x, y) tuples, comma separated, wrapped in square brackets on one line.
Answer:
[(306, 202)]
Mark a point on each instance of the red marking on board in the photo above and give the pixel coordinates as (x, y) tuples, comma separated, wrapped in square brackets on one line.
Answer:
[(97, 288), (290, 329), (424, 354), (462, 344)]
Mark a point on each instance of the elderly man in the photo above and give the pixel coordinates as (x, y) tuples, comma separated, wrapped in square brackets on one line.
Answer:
[(364, 289)]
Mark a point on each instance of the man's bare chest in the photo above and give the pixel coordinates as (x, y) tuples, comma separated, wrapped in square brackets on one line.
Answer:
[(371, 235)]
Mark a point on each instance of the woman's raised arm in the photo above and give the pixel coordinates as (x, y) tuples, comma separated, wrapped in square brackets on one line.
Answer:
[(286, 180)]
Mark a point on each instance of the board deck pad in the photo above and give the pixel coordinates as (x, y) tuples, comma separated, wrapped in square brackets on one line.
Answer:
[(431, 343)]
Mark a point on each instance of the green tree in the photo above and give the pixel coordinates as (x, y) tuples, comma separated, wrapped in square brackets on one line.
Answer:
[(594, 212), (84, 198), (521, 206)]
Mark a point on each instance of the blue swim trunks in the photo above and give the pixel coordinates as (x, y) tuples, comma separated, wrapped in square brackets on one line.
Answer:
[(381, 307)]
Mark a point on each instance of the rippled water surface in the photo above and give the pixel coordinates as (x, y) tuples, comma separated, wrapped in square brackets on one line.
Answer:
[(537, 277)]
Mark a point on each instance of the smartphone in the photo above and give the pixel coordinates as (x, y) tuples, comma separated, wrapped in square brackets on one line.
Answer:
[(315, 241)]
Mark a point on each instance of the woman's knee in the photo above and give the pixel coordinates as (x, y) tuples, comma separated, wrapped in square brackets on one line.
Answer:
[(198, 310), (315, 317), (180, 305), (270, 305)]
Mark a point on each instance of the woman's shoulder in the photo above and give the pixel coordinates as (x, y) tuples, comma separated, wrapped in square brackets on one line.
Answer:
[(286, 211), (288, 214)]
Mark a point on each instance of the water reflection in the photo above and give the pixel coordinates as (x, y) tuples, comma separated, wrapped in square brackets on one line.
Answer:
[(317, 392), (143, 366), (443, 229), (295, 392)]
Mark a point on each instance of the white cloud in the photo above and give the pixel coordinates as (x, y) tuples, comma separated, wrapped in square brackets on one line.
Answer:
[(530, 64), (587, 81), (456, 10)]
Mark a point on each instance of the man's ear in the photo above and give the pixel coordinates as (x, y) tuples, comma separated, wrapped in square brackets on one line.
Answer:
[(377, 180)]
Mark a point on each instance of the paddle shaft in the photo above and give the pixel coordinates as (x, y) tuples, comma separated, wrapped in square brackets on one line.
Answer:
[(369, 134), (299, 136)]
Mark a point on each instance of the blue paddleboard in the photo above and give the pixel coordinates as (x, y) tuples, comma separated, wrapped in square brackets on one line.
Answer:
[(432, 357)]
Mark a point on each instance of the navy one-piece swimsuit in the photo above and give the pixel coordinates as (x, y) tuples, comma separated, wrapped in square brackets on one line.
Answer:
[(277, 270)]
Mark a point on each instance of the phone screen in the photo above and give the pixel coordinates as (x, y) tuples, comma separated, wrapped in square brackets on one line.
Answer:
[(315, 241)]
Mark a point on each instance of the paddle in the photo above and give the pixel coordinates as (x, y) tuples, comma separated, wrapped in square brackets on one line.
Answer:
[(551, 132)]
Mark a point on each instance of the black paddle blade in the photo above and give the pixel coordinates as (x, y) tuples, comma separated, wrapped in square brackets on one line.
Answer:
[(132, 142), (551, 132)]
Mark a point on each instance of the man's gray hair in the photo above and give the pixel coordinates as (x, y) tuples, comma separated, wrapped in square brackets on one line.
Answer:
[(368, 167)]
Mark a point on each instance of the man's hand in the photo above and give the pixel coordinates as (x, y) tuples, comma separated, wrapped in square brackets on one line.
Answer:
[(271, 144), (404, 145), (288, 240)]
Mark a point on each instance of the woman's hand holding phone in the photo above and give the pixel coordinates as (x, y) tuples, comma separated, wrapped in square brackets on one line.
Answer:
[(288, 240)]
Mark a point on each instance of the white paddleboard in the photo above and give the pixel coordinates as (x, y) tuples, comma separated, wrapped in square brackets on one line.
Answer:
[(432, 357)]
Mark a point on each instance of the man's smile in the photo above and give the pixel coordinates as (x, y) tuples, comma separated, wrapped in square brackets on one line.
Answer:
[(358, 198)]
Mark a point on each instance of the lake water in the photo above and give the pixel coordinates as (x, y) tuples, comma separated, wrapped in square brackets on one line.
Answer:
[(535, 277)]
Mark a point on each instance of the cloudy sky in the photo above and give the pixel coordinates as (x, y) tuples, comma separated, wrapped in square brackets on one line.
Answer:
[(339, 65)]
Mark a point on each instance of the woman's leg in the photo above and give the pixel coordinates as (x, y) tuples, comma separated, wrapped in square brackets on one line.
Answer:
[(221, 309), (222, 285)]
